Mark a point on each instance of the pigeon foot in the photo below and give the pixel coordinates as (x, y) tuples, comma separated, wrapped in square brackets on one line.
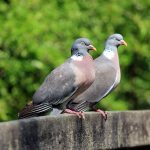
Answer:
[(103, 113), (79, 114)]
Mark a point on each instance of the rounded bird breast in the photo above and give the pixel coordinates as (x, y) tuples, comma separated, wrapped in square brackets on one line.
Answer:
[(84, 70)]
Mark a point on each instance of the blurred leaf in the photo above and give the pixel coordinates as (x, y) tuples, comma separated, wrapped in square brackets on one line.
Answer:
[(36, 36)]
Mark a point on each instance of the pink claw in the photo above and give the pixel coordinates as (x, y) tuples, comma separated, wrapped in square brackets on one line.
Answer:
[(82, 115), (103, 113), (79, 114)]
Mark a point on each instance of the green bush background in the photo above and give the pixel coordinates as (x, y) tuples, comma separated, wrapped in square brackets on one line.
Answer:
[(36, 36)]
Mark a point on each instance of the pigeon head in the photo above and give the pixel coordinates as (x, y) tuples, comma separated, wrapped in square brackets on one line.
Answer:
[(83, 40), (116, 40), (82, 44), (81, 49)]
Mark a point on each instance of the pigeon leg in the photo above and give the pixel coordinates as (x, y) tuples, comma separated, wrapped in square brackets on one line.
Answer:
[(79, 114), (103, 113)]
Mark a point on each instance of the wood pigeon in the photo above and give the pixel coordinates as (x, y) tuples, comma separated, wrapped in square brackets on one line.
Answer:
[(64, 83), (107, 77)]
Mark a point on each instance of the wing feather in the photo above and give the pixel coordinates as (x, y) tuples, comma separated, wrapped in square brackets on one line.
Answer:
[(57, 87)]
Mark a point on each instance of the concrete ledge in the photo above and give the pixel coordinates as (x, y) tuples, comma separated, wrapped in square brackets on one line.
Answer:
[(67, 132)]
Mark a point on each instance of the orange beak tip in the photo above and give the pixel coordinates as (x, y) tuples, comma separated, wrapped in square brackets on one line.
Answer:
[(124, 43), (92, 47)]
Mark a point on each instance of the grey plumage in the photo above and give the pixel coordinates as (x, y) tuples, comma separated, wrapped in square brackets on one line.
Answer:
[(63, 83), (107, 76), (31, 110)]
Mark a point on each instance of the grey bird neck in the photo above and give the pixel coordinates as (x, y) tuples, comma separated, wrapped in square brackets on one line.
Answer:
[(111, 54), (81, 52), (110, 48)]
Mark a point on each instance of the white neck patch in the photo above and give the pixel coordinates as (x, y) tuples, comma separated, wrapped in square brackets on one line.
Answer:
[(77, 58), (108, 53)]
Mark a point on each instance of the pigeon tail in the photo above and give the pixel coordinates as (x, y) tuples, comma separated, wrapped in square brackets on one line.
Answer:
[(83, 106), (31, 110)]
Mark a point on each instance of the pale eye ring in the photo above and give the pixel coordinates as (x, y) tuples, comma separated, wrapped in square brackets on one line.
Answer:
[(82, 43)]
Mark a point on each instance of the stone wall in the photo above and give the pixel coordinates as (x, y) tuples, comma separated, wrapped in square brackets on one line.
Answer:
[(128, 129)]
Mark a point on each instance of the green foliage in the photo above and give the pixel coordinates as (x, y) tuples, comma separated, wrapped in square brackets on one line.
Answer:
[(36, 36)]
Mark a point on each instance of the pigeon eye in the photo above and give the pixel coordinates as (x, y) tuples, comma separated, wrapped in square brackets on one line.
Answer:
[(116, 39), (82, 43)]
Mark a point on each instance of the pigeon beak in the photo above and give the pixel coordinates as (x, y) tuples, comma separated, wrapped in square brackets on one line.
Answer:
[(91, 47), (122, 42)]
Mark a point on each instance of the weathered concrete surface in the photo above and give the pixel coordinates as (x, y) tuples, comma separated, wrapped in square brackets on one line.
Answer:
[(67, 132)]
